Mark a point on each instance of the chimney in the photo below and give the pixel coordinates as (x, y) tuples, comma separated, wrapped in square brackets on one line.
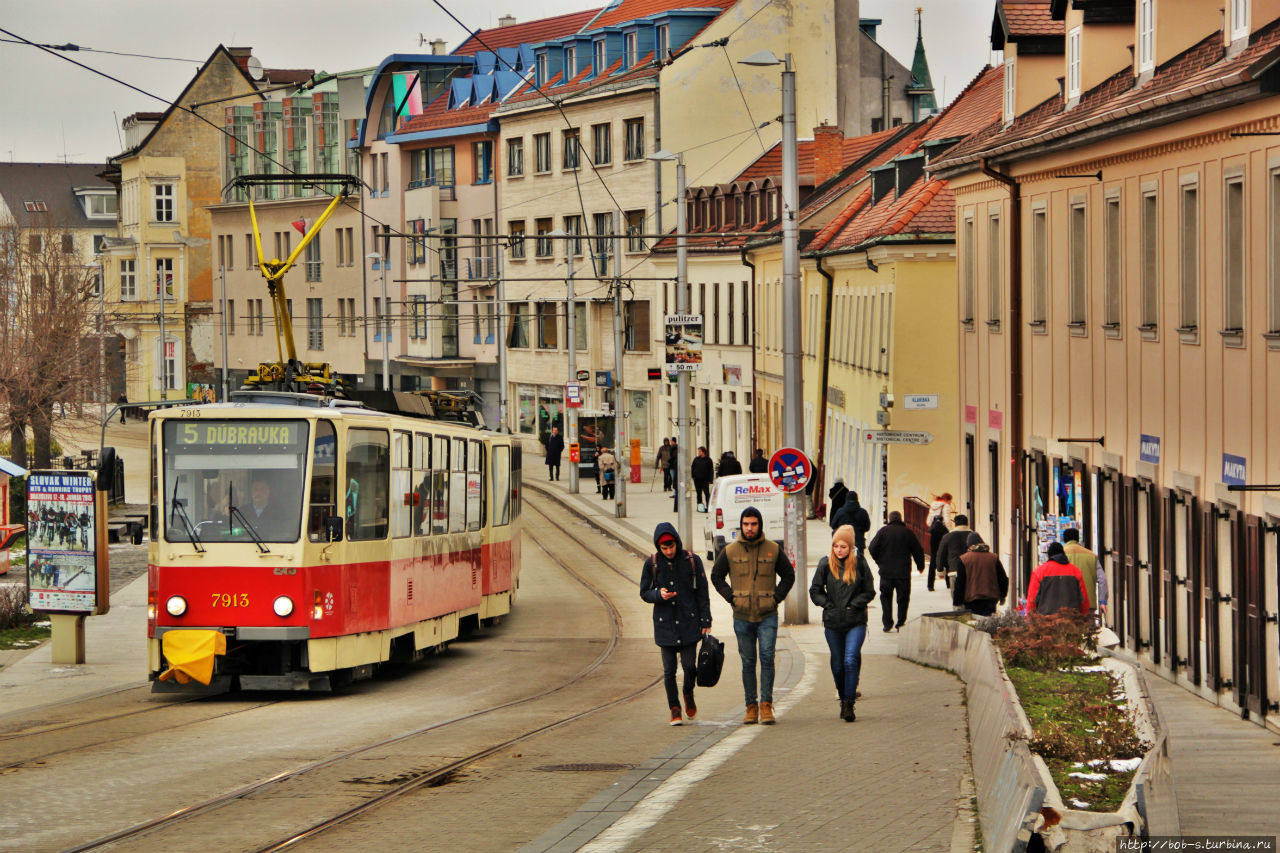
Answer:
[(241, 55), (828, 140), (437, 47), (506, 20)]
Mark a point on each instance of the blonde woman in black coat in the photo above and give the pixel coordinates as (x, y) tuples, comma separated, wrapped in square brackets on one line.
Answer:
[(842, 587)]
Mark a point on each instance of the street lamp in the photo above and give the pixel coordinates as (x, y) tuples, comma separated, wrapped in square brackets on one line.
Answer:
[(685, 451), (797, 609), (571, 413), (377, 258)]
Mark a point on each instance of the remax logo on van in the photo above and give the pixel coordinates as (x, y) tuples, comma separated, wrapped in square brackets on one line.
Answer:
[(756, 489)]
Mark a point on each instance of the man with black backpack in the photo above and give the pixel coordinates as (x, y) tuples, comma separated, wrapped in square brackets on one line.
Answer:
[(675, 583)]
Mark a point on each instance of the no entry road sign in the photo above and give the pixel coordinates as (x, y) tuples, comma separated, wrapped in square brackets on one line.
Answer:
[(789, 469)]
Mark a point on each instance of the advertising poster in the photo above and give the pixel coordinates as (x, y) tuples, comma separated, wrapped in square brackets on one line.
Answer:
[(684, 341), (61, 542)]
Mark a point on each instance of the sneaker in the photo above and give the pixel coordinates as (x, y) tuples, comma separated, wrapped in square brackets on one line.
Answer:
[(676, 719), (766, 714), (690, 708), (752, 716)]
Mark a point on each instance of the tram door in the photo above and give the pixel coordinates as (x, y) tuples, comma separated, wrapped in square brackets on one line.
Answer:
[(1209, 596)]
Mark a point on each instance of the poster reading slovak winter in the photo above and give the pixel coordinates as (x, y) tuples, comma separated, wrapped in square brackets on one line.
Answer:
[(61, 558)]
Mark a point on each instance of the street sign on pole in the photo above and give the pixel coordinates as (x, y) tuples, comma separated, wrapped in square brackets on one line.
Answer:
[(889, 436), (790, 470)]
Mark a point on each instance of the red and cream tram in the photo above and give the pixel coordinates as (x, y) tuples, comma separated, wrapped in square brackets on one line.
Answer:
[(299, 541)]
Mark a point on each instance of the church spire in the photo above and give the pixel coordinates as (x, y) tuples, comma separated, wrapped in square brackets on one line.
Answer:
[(921, 89)]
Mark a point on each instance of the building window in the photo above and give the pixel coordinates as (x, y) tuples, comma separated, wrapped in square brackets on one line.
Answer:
[(543, 248), (541, 69), (580, 326), (995, 272), (386, 174), (100, 206), (662, 39), (256, 319), (515, 158), (430, 167), (163, 195), (313, 260), (230, 317), (1233, 278), (1077, 293), (169, 365), (599, 57), (572, 157), (630, 41), (1273, 233), (1010, 100), (68, 244), (570, 63), (602, 143), (573, 227), (968, 272), (483, 154), (315, 324), (1039, 267), (1073, 64), (128, 279), (602, 245), (1112, 265), (1149, 306), (636, 323), (516, 240), (419, 308), (1189, 259), (164, 277), (416, 250), (547, 325), (1239, 19), (518, 332), (542, 152), (635, 228), (1146, 35)]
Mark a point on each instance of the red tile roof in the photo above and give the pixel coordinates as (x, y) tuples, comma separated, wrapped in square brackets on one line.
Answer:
[(1025, 18), (630, 10), (1200, 70), (437, 116), (928, 207), (644, 68), (769, 164), (976, 107), (530, 32)]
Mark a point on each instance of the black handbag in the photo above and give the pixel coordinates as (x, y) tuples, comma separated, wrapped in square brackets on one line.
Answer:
[(710, 661)]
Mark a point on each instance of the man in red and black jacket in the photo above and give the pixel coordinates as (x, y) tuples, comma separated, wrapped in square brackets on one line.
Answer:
[(1057, 585)]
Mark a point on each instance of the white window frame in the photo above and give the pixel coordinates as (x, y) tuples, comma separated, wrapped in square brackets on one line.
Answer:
[(1113, 263), (1040, 265), (1239, 19), (1273, 254), (995, 269), (1078, 264), (128, 279), (631, 42), (662, 42), (540, 68), (1189, 230), (1235, 263), (1010, 94), (570, 63), (515, 157), (599, 57), (164, 198), (1146, 22), (1073, 64)]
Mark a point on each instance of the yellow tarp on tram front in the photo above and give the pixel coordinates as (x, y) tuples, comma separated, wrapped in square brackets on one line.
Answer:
[(190, 654)]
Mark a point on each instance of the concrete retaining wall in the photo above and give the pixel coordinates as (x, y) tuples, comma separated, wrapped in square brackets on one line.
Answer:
[(1013, 785)]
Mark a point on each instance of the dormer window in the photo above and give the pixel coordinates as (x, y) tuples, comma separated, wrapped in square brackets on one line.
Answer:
[(570, 63), (540, 70), (35, 207), (662, 41), (632, 40), (1010, 101), (98, 205), (1073, 64), (598, 57), (1146, 35), (1239, 19)]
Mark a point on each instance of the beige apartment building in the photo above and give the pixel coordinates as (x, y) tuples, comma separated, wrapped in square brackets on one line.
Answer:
[(1120, 323)]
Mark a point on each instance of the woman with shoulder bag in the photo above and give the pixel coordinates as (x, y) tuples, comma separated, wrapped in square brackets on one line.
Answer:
[(843, 588)]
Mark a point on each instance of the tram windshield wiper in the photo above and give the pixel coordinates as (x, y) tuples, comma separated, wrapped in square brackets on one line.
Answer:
[(179, 511), (234, 512)]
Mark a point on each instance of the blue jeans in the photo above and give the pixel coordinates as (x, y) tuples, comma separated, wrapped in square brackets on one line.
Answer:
[(764, 632), (846, 658)]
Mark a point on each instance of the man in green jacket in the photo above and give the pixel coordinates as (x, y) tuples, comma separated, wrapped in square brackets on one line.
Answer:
[(759, 578), (1095, 582)]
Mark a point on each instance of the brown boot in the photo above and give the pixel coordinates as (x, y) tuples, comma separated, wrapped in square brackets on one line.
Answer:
[(766, 714), (846, 710), (752, 716)]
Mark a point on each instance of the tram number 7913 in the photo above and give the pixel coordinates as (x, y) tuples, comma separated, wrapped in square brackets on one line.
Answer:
[(230, 599)]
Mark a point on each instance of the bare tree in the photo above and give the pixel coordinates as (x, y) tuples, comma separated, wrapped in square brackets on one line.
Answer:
[(45, 294)]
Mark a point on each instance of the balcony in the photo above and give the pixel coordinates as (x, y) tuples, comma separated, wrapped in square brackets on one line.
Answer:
[(481, 269)]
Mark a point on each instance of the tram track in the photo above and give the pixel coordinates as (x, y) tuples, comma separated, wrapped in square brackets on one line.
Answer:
[(412, 780)]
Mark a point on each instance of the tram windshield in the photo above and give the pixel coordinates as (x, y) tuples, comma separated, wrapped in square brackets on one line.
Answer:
[(233, 480)]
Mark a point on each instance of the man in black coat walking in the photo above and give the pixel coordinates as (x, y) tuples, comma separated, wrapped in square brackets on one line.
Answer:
[(759, 465), (852, 514), (555, 446), (954, 545), (893, 548), (703, 472), (837, 495), (675, 583)]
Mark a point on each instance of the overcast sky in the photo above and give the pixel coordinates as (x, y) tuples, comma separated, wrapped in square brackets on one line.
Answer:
[(52, 110)]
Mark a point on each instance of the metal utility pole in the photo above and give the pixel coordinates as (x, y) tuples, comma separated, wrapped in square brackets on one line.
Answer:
[(571, 330), (102, 338), (683, 484), (226, 385), (386, 317), (164, 344), (619, 415)]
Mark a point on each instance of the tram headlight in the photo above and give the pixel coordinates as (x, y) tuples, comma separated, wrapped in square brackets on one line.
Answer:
[(176, 605), (283, 605)]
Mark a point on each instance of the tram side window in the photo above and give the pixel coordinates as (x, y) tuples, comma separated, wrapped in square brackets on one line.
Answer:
[(368, 482), (458, 487), (402, 494), (421, 483), (323, 471), (475, 486), (440, 487), (501, 481)]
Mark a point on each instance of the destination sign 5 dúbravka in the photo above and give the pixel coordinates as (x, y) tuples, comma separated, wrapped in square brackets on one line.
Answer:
[(227, 434)]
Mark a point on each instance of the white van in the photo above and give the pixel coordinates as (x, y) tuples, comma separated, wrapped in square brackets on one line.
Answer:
[(729, 497)]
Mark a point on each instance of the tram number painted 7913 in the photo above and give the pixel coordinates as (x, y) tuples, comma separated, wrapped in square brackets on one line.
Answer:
[(230, 599)]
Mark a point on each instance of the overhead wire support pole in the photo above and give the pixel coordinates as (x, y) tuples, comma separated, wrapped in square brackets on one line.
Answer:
[(571, 332), (619, 407)]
